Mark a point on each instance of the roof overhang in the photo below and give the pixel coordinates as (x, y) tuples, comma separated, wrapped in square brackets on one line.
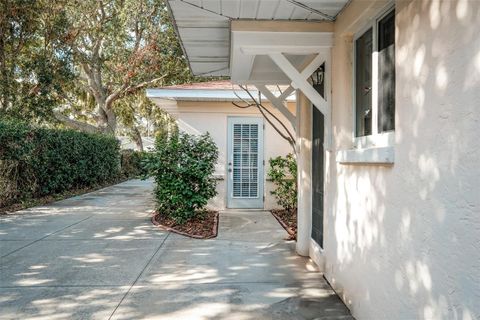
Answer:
[(232, 38), (204, 26)]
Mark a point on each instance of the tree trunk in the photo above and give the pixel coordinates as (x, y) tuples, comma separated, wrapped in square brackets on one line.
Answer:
[(106, 118), (137, 138)]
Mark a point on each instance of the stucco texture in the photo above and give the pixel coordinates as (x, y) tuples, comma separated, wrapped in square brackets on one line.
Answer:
[(403, 241)]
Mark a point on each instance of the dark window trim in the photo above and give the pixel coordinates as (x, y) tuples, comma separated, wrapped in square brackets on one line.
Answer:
[(373, 25)]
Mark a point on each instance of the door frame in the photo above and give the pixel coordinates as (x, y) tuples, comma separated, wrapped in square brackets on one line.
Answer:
[(245, 203), (323, 159)]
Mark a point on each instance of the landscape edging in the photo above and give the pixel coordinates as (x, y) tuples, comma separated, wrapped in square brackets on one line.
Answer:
[(161, 226)]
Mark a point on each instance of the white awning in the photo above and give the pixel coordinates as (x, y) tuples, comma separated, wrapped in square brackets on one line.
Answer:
[(203, 26)]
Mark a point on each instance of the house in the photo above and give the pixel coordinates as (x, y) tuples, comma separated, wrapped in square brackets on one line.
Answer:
[(246, 141), (387, 123)]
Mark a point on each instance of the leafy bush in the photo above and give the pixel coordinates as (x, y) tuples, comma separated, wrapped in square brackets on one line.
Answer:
[(182, 166), (283, 172), (131, 163), (36, 162)]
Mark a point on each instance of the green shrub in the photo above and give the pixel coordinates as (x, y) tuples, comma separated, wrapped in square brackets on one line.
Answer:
[(131, 163), (283, 172), (182, 166), (36, 162)]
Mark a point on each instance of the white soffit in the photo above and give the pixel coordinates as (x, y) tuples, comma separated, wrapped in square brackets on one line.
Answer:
[(204, 25), (208, 95)]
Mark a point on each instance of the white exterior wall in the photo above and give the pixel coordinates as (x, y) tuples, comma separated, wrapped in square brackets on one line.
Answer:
[(403, 241), (211, 116)]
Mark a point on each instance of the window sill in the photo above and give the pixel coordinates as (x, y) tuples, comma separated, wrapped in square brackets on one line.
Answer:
[(386, 139), (373, 155)]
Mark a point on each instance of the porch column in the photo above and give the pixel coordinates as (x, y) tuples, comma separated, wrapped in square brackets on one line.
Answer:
[(304, 161)]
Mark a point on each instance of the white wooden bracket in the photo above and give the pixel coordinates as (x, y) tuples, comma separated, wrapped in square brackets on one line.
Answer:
[(278, 102), (300, 81)]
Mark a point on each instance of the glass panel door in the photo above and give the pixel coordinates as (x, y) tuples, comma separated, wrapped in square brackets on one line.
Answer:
[(245, 165)]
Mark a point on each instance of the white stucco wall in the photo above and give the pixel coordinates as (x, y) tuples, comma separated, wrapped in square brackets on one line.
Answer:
[(403, 241), (211, 116)]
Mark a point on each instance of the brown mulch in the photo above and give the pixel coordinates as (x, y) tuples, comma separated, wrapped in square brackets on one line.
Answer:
[(288, 220), (28, 203), (204, 226)]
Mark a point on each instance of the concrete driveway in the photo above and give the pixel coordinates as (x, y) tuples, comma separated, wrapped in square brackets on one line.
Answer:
[(98, 256)]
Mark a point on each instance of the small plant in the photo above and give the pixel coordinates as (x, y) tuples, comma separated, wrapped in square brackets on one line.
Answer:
[(283, 172), (182, 166)]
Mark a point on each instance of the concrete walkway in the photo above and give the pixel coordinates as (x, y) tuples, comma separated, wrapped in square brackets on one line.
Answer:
[(98, 256)]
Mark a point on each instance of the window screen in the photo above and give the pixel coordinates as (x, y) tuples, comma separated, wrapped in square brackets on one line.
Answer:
[(363, 84), (386, 73), (245, 161)]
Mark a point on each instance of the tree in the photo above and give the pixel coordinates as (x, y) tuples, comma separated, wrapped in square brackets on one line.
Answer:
[(35, 64), (119, 47), (138, 116)]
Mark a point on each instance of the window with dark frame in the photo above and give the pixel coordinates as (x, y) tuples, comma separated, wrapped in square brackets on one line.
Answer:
[(363, 84), (379, 39), (386, 73)]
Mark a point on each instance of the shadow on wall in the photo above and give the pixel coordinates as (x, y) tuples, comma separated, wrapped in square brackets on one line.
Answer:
[(406, 238)]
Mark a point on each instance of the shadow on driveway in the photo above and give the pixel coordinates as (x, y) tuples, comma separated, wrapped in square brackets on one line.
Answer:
[(98, 256)]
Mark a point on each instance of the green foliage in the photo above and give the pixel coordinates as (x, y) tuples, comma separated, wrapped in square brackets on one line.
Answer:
[(119, 48), (182, 166), (36, 162), (76, 58), (35, 64), (131, 163), (85, 64), (138, 116), (131, 41), (283, 172)]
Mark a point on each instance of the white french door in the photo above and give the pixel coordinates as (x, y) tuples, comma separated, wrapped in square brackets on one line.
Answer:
[(245, 162)]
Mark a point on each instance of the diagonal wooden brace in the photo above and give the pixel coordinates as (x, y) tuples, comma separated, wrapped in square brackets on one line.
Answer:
[(278, 102), (299, 81)]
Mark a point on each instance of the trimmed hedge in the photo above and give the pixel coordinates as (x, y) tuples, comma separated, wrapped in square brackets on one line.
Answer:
[(131, 163), (36, 162)]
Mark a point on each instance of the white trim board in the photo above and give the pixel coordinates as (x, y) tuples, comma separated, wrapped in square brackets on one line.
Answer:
[(317, 254), (249, 48), (204, 95), (379, 155)]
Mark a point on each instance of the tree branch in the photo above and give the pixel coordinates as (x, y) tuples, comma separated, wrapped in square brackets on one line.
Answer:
[(263, 110), (259, 103), (126, 89), (74, 124)]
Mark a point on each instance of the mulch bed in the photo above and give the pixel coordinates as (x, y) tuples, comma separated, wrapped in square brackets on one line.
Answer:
[(204, 226), (288, 220)]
